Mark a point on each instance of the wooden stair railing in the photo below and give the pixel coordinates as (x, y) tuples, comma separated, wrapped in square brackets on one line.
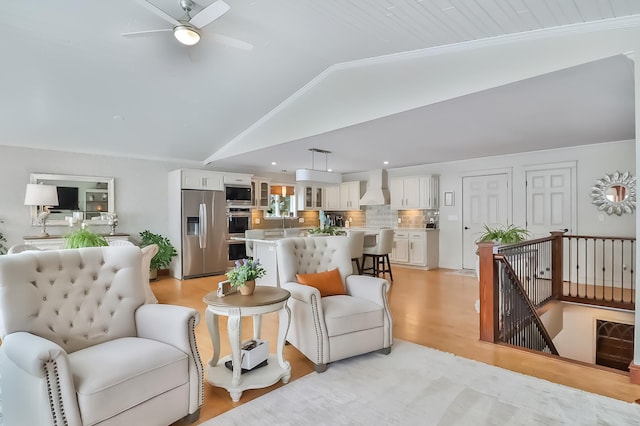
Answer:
[(592, 270), (519, 323)]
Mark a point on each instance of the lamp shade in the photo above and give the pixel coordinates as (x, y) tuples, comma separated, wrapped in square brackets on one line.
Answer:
[(41, 195)]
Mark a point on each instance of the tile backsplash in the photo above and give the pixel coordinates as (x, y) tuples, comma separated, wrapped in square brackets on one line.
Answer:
[(374, 216), (384, 216)]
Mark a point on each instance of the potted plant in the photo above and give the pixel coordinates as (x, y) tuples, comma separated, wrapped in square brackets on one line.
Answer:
[(244, 275), (166, 251), (83, 237), (510, 234), (3, 248), (327, 230)]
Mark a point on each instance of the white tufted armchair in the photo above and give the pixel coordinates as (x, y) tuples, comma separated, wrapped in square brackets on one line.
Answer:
[(331, 328), (80, 347)]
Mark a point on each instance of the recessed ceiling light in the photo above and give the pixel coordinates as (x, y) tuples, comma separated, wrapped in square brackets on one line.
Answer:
[(273, 163), (329, 170), (385, 162)]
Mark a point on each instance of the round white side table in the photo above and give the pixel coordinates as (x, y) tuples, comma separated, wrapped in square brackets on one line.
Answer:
[(235, 306)]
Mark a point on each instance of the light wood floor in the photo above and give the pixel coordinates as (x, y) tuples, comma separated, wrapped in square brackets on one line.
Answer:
[(430, 308)]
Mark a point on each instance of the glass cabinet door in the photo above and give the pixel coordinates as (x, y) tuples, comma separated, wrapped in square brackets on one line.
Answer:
[(264, 194), (308, 197), (318, 198)]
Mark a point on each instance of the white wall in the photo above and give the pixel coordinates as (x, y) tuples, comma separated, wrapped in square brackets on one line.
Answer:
[(140, 188), (592, 162), (577, 340)]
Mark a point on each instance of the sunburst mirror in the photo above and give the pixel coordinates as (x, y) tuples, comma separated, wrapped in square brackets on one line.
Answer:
[(615, 193)]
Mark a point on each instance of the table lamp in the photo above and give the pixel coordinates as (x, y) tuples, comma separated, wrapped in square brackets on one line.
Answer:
[(42, 196)]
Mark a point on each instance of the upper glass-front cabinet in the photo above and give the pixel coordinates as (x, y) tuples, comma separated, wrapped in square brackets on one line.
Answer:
[(312, 197), (261, 192)]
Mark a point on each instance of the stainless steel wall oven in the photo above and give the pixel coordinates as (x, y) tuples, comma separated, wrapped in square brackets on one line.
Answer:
[(238, 221)]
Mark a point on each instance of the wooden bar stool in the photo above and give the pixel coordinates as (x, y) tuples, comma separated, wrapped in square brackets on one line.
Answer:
[(379, 254)]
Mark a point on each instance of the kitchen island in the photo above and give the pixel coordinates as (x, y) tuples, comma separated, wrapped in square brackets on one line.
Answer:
[(264, 250), (421, 250)]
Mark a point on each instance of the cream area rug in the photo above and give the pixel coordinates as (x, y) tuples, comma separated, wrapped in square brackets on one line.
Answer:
[(415, 385)]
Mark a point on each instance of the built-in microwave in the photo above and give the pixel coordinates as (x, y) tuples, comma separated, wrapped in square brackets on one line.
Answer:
[(238, 195)]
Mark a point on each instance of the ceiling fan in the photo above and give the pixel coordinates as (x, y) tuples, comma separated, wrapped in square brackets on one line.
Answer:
[(187, 29)]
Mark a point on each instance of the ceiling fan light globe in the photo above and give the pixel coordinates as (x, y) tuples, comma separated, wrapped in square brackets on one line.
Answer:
[(186, 35)]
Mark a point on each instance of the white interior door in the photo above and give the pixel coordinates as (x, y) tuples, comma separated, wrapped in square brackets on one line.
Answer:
[(549, 201), (485, 200)]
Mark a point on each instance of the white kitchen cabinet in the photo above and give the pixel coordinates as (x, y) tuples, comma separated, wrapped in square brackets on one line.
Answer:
[(310, 197), (261, 192), (350, 193), (429, 192), (332, 197), (405, 193), (416, 248), (201, 179), (236, 179), (400, 251)]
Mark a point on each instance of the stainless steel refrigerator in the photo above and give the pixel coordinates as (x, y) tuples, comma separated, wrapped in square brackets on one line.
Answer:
[(204, 233)]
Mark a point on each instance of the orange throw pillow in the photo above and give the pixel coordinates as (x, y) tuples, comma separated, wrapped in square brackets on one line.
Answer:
[(329, 283)]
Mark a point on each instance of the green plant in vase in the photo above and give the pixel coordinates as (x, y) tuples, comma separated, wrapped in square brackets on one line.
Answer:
[(327, 230), (244, 274), (166, 251), (83, 237), (510, 234)]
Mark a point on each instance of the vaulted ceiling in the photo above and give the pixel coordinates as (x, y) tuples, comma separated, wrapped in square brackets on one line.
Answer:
[(69, 81)]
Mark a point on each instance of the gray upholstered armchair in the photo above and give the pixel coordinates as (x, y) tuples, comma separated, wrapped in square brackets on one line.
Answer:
[(331, 328), (80, 347)]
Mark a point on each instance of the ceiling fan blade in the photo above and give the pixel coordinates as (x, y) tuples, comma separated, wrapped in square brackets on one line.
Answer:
[(145, 33), (161, 13), (230, 41), (209, 14)]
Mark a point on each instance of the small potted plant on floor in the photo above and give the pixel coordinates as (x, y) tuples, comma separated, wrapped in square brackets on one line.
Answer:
[(244, 275), (83, 237), (166, 251)]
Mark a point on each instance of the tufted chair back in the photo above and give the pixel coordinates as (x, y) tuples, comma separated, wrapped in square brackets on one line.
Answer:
[(76, 298), (313, 254)]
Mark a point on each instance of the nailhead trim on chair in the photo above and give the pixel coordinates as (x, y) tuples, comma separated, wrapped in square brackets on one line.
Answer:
[(48, 366), (316, 325), (196, 358), (388, 314)]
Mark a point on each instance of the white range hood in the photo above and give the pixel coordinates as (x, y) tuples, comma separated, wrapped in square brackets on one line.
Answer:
[(377, 193)]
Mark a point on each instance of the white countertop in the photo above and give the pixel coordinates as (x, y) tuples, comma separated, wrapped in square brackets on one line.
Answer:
[(268, 240)]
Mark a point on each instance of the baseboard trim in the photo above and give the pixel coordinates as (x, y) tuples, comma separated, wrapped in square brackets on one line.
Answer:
[(634, 373)]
